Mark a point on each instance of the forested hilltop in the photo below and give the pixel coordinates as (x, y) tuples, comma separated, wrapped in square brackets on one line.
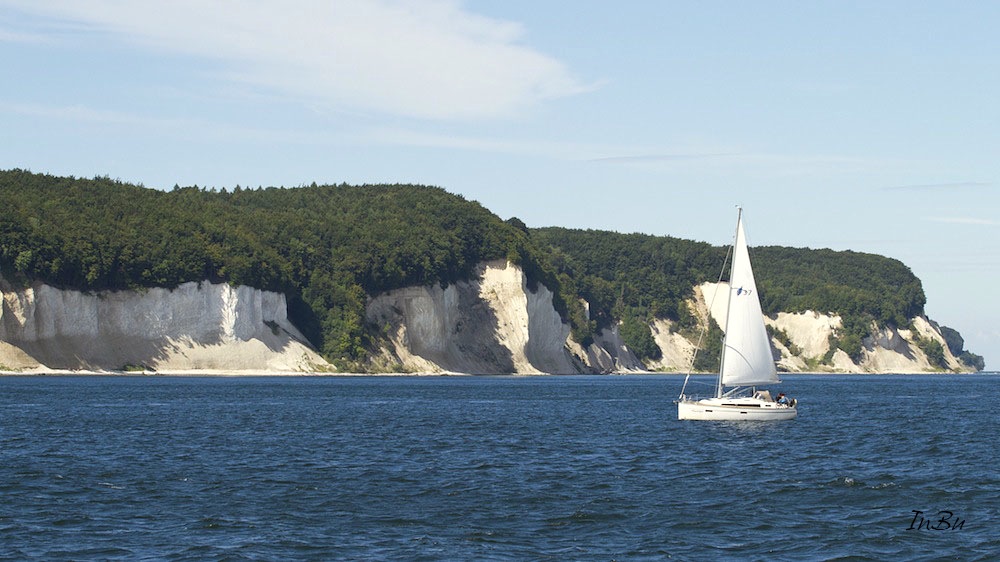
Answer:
[(329, 247), (326, 247), (633, 278)]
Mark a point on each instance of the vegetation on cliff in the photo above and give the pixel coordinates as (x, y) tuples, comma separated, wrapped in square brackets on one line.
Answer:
[(329, 247), (631, 277), (956, 345), (325, 246), (637, 276), (864, 289)]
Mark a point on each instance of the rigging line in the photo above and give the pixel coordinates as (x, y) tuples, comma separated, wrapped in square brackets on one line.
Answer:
[(708, 319), (729, 294), (740, 354)]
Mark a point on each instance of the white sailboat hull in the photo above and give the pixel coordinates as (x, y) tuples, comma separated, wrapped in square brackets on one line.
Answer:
[(734, 409), (747, 360)]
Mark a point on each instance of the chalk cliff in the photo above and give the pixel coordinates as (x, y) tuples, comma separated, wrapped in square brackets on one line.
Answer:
[(812, 336), (197, 326), (496, 325), (490, 325)]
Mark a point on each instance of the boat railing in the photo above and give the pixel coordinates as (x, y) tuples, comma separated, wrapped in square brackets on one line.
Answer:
[(696, 397)]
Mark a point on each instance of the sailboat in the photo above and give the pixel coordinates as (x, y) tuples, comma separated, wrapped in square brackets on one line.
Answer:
[(746, 355)]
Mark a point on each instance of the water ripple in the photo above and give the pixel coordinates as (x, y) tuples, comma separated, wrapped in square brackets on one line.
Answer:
[(497, 468)]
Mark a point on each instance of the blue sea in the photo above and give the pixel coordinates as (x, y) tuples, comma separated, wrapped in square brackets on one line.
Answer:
[(493, 468)]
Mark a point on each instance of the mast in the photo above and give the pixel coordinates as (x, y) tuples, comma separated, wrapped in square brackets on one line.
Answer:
[(729, 303)]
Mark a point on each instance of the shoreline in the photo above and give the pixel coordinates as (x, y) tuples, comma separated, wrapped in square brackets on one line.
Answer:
[(43, 372)]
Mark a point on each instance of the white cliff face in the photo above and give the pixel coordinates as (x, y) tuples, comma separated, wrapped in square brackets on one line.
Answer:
[(491, 325), (495, 325), (610, 354), (195, 326), (677, 351), (809, 331), (887, 350), (925, 328), (890, 350)]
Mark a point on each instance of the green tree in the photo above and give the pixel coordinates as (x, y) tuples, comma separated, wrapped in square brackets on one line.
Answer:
[(327, 247), (636, 335), (934, 352)]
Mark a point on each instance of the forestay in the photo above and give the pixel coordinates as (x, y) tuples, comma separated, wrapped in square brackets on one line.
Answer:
[(747, 359)]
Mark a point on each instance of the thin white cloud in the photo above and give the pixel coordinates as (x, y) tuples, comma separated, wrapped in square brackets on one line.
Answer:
[(8, 36), (698, 156), (77, 113), (938, 186), (429, 59), (654, 158), (964, 220), (409, 137), (179, 127), (558, 149), (562, 150), (735, 159)]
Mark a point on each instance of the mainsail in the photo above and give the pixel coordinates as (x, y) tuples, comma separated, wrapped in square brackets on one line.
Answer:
[(746, 358)]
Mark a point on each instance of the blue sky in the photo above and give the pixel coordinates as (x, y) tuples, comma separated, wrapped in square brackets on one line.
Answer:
[(870, 126)]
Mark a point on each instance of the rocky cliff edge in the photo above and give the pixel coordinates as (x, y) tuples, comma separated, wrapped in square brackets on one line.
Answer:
[(195, 327), (493, 324)]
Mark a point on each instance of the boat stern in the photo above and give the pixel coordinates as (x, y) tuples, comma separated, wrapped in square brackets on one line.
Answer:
[(724, 409)]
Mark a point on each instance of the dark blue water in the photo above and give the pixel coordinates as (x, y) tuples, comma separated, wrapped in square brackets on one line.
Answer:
[(496, 468)]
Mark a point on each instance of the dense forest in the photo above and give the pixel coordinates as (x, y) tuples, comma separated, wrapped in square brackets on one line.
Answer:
[(326, 247), (633, 278), (329, 247), (640, 277)]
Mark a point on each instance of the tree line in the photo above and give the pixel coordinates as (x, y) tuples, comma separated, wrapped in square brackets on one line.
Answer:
[(629, 278), (329, 247)]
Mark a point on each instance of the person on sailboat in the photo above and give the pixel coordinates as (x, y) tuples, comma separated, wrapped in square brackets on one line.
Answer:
[(782, 399)]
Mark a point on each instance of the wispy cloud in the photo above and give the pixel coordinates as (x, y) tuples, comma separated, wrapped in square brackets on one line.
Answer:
[(562, 150), (964, 220), (938, 186), (654, 158), (705, 158), (429, 59), (198, 128), (9, 36), (743, 161), (77, 113), (573, 151), (177, 126)]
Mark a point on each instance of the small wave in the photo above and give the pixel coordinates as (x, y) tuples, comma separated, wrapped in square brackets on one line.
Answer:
[(583, 516), (483, 536), (212, 523), (851, 482), (447, 477), (489, 465), (848, 482), (425, 541)]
